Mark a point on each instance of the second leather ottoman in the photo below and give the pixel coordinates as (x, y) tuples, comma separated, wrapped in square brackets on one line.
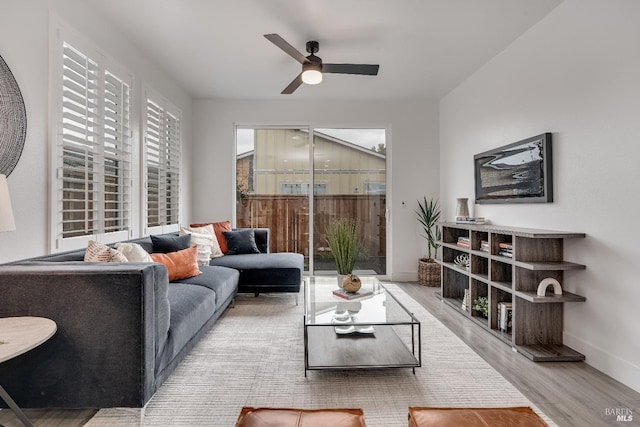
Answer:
[(521, 416)]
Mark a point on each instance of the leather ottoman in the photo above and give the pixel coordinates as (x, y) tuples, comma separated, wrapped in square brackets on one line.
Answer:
[(474, 417), (287, 417)]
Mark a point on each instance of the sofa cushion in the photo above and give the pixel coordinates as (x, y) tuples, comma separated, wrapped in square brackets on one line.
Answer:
[(222, 280), (191, 307), (99, 252), (270, 272), (144, 242), (218, 228), (170, 243), (180, 264), (203, 242), (241, 242), (204, 236), (133, 252)]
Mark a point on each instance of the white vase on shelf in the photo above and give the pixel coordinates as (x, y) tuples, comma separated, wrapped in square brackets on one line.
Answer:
[(462, 208)]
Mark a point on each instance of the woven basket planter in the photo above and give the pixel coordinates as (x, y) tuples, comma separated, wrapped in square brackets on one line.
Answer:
[(428, 273)]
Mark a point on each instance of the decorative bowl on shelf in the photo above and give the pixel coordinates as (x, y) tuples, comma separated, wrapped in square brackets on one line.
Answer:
[(462, 261)]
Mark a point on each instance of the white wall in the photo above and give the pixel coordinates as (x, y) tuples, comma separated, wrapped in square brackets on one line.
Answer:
[(412, 157), (575, 74), (24, 45)]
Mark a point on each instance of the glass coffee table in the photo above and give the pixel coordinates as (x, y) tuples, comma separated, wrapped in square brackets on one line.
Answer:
[(370, 331)]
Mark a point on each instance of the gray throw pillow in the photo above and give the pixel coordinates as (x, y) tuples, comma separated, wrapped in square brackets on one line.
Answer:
[(166, 244), (241, 242)]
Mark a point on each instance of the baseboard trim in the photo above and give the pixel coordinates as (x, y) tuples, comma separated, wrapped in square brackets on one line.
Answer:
[(619, 369), (405, 276)]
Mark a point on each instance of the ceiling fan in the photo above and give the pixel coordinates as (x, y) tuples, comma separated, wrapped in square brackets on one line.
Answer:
[(312, 66)]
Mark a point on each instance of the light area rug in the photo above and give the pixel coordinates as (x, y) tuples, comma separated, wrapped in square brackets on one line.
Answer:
[(254, 356)]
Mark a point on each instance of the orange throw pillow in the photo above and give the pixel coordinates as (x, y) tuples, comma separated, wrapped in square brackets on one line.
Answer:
[(181, 264), (218, 228)]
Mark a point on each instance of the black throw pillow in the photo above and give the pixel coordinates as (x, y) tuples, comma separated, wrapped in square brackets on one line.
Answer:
[(241, 242), (166, 244)]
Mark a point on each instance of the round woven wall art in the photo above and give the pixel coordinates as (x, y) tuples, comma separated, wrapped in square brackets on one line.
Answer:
[(13, 120)]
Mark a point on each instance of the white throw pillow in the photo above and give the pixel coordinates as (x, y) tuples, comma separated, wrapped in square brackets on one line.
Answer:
[(134, 252), (99, 252), (198, 237), (203, 242)]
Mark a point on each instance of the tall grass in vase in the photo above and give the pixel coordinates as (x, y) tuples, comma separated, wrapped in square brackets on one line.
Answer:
[(343, 237)]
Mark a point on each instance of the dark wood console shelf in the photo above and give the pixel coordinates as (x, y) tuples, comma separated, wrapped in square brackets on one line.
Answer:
[(530, 255)]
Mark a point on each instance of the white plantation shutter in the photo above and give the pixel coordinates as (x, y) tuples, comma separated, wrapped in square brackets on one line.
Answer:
[(162, 157), (79, 143), (93, 151)]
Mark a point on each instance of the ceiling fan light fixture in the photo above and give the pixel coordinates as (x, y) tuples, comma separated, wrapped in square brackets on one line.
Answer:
[(311, 73), (312, 66)]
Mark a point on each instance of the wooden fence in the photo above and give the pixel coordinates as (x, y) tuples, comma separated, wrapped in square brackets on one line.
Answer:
[(288, 218)]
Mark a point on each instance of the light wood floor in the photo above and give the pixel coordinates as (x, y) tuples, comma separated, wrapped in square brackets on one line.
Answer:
[(571, 394)]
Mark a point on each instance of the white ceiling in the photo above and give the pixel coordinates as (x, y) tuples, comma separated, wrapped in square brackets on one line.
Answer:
[(425, 48)]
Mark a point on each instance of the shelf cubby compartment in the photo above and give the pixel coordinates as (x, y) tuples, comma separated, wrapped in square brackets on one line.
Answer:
[(449, 255), (497, 296), (478, 289), (477, 237), (454, 285), (451, 234), (501, 273), (538, 250), (496, 240), (527, 281), (480, 266), (537, 332)]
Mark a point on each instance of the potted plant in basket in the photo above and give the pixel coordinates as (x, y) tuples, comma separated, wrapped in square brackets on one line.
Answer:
[(428, 214), (343, 237)]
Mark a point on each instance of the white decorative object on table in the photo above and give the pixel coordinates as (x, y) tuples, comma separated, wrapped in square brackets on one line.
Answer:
[(544, 284)]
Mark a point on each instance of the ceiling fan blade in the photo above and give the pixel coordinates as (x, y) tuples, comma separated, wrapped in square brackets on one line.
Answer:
[(284, 45), (293, 85), (366, 69)]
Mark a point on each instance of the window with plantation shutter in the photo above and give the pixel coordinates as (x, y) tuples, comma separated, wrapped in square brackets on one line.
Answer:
[(117, 154), (92, 156), (162, 166)]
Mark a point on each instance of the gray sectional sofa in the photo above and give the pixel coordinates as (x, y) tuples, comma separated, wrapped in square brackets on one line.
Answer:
[(122, 327)]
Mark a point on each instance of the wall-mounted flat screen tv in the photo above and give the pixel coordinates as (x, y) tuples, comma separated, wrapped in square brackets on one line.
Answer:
[(516, 173)]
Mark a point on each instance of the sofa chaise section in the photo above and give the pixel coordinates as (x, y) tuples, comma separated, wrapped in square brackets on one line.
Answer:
[(265, 271)]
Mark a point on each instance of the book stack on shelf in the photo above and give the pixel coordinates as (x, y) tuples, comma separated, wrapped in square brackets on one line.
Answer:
[(505, 313), (470, 220), (463, 242), (506, 249), (484, 246)]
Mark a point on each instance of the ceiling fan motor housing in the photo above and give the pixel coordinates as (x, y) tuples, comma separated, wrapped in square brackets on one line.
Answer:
[(312, 46)]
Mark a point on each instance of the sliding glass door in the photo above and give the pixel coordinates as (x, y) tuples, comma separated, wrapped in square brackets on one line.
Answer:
[(272, 185), (349, 176), (281, 177)]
